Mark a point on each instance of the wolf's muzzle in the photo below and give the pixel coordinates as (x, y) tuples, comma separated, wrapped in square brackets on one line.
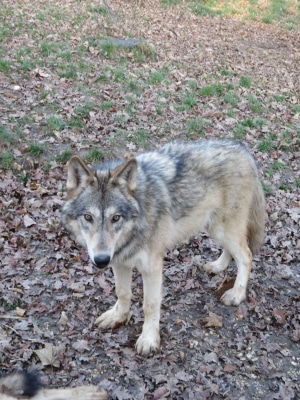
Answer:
[(102, 261)]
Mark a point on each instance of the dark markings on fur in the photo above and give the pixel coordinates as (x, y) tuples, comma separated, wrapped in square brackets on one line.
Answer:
[(131, 246), (24, 382), (32, 383), (180, 166)]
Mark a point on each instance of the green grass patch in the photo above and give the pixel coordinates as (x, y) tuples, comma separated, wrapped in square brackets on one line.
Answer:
[(76, 122), (140, 138), (100, 9), (5, 65), (26, 119), (36, 149), (267, 188), (155, 77), (253, 123), (27, 64), (286, 142), (245, 81), (65, 55), (103, 78), (10, 306), (135, 87), (119, 75), (23, 52), (204, 8), (161, 103), (54, 123), (68, 71), (230, 113), (259, 122), (254, 104), (120, 119), (94, 156), (6, 136), (239, 131), (188, 102), (248, 123), (170, 2), (79, 19), (278, 165), (296, 108), (6, 12), (227, 72), (6, 160), (41, 16), (143, 52), (284, 12), (275, 10), (197, 125), (269, 172), (64, 156), (211, 90), (129, 109), (5, 32), (48, 48), (232, 99), (107, 104), (267, 144), (192, 84), (84, 110), (279, 98), (108, 49), (44, 94), (229, 86), (285, 186)]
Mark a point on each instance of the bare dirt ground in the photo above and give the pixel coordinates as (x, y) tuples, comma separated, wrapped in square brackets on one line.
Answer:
[(50, 292)]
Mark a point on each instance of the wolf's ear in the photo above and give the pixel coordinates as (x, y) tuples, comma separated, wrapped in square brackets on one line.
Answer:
[(125, 175), (79, 176)]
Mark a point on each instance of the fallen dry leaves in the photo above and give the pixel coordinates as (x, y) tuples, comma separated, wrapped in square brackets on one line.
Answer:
[(213, 320), (51, 294)]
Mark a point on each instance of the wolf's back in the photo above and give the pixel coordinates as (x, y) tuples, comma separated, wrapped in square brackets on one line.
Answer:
[(222, 161)]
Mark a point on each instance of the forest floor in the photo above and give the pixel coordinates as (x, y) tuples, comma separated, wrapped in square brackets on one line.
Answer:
[(103, 80)]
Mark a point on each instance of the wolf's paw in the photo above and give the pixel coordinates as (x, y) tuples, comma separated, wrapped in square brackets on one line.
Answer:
[(214, 267), (148, 343), (112, 319), (233, 297)]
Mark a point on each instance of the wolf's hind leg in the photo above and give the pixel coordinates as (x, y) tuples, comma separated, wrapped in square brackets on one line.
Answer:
[(243, 258), (121, 310), (219, 265)]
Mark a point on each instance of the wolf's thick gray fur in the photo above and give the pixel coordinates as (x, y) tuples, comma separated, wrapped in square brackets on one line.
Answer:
[(129, 212)]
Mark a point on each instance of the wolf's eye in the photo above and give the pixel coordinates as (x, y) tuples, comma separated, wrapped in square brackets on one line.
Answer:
[(116, 218), (88, 217)]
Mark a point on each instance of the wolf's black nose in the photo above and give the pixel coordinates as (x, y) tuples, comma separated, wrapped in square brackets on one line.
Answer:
[(101, 261)]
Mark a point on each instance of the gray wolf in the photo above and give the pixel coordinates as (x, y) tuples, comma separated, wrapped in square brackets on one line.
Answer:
[(128, 212)]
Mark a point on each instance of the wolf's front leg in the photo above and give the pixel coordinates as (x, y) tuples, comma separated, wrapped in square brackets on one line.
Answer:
[(152, 283), (121, 310)]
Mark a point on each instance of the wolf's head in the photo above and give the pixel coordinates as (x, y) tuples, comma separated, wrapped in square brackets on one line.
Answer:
[(101, 208)]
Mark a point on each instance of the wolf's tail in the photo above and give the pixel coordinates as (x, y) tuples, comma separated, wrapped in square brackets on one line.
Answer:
[(20, 382), (256, 223)]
